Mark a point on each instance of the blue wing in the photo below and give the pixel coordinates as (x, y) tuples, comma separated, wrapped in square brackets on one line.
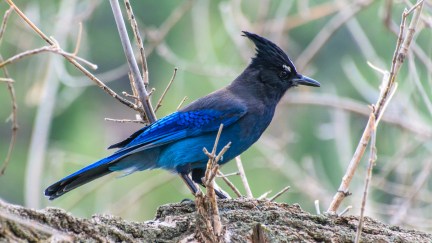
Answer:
[(177, 126), (167, 130)]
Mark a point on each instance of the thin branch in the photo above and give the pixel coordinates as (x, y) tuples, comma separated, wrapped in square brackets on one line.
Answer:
[(317, 207), (138, 41), (207, 205), (125, 120), (7, 80), (264, 195), (78, 41), (285, 189), (221, 175), (243, 177), (350, 105), (14, 121), (74, 62), (26, 54), (385, 96), (159, 104), (181, 103), (53, 48), (229, 183), (133, 66), (346, 210), (372, 159), (4, 22)]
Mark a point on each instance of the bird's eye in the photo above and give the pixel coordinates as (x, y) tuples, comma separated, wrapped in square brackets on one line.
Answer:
[(283, 74), (286, 70)]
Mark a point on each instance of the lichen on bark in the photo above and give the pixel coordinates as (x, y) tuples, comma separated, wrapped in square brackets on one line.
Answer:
[(244, 220)]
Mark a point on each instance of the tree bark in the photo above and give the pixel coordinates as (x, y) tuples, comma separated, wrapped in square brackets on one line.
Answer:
[(244, 220)]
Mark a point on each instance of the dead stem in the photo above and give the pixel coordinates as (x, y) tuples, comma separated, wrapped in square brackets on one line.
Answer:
[(181, 103), (229, 183), (159, 104), (243, 177), (14, 120), (387, 91), (147, 112), (138, 41), (368, 178), (73, 61), (279, 193)]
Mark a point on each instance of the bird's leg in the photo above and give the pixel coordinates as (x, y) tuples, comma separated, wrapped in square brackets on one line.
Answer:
[(197, 176), (221, 193), (189, 183)]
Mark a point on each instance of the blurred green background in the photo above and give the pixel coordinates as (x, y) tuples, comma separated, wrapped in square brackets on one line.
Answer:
[(308, 146)]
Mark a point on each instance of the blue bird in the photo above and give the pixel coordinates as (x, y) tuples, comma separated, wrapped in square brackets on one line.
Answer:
[(175, 142)]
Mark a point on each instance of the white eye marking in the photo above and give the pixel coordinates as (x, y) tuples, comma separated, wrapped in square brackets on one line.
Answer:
[(286, 68)]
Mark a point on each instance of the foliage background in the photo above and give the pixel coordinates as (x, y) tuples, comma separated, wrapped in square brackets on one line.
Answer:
[(306, 147)]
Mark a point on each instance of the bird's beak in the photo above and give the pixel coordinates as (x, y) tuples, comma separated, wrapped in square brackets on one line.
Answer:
[(303, 80)]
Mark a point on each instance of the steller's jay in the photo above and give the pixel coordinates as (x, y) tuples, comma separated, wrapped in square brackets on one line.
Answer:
[(175, 142)]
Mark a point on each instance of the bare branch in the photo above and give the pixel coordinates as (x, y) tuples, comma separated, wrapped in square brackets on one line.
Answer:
[(133, 66), (243, 177), (138, 41), (7, 80), (125, 120), (74, 62), (372, 159), (181, 103), (14, 121), (229, 183), (4, 22), (387, 91), (159, 104), (285, 189), (78, 41)]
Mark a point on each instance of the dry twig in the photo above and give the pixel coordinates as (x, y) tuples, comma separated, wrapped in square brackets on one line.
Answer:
[(147, 113), (243, 177), (73, 61), (229, 183), (124, 120), (9, 83), (4, 22), (372, 159), (279, 193), (139, 42), (159, 104), (387, 90), (181, 103), (14, 120), (207, 205)]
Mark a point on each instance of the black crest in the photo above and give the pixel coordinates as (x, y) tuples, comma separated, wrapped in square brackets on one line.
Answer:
[(268, 53)]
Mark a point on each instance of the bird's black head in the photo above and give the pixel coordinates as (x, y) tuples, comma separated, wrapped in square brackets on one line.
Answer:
[(275, 67)]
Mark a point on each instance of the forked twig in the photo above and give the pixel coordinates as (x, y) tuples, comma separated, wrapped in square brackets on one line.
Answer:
[(73, 61), (9, 82), (147, 112), (388, 89), (14, 120), (207, 205)]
